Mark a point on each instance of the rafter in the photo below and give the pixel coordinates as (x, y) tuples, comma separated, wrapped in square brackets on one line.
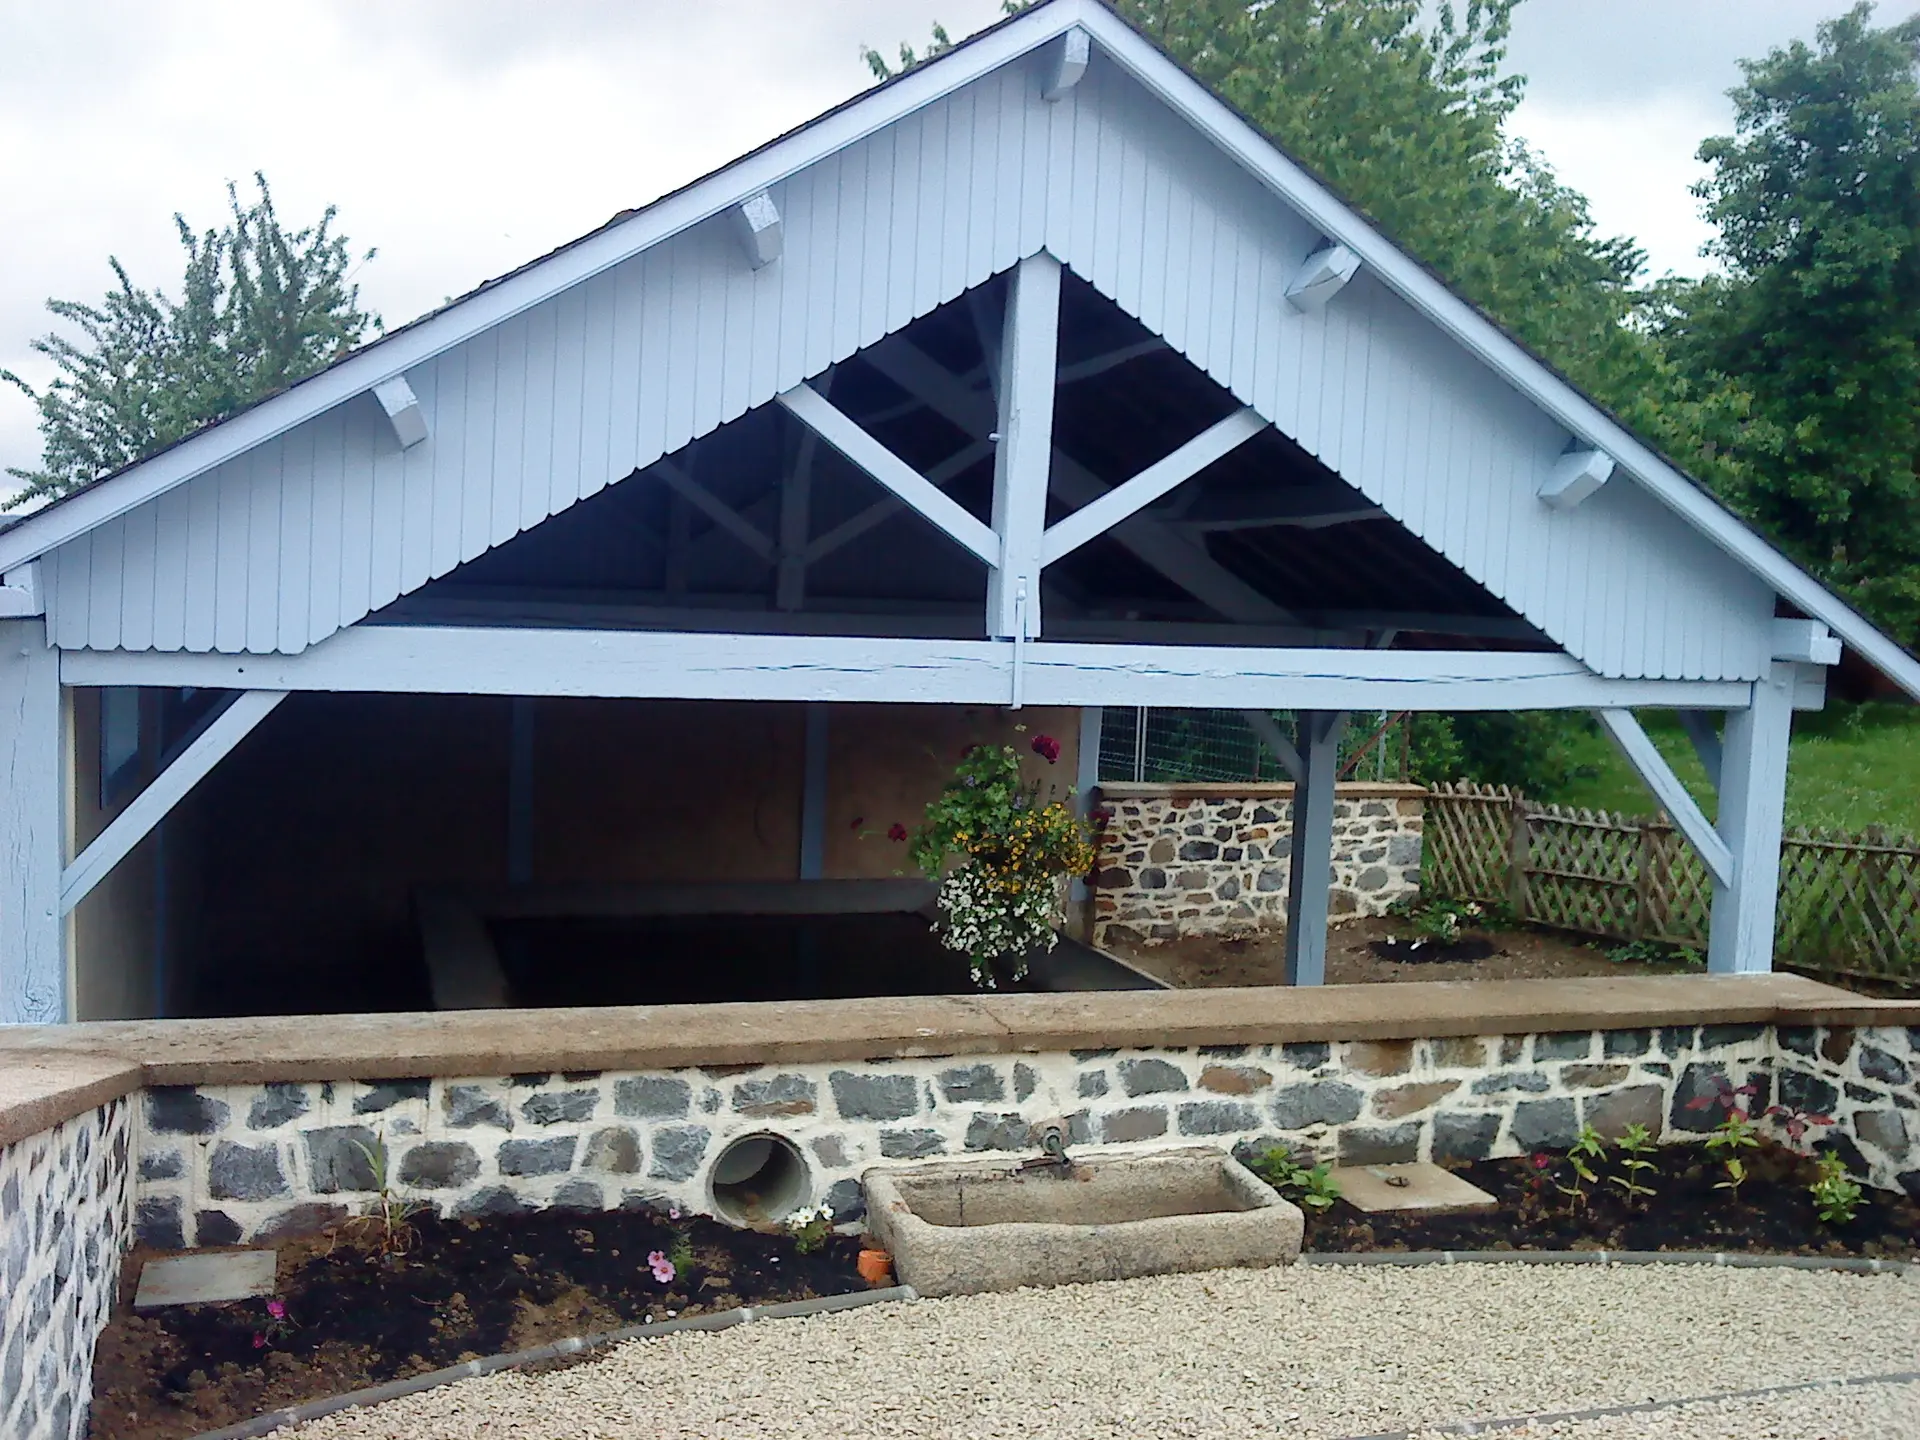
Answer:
[(713, 507)]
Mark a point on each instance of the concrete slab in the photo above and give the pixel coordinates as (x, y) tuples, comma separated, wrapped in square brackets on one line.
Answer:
[(1378, 1189), (205, 1279)]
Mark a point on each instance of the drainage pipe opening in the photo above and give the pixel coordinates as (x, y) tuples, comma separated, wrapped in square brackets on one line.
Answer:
[(758, 1180)]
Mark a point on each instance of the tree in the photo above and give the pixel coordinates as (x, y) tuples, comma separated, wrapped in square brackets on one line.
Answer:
[(260, 308), (1408, 121), (1811, 339)]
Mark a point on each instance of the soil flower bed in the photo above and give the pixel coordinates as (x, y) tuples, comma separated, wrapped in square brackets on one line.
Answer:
[(1773, 1213), (356, 1315)]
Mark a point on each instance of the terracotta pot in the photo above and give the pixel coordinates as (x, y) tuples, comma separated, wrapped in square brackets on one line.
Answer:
[(875, 1267)]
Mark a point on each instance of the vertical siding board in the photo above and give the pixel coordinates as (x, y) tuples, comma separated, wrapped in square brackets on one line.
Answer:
[(449, 459), (104, 614), (1083, 210), (673, 368), (172, 521), (539, 418), (1036, 174), (294, 546), (356, 520), (801, 253), (957, 177), (509, 430), (327, 506), (1060, 135), (842, 328), (564, 480), (907, 143), (416, 506), (66, 573), (597, 466), (927, 281), (823, 273), (636, 386), (876, 240), (137, 584), (477, 470), (388, 495), (983, 182), (230, 568), (1010, 199), (203, 561)]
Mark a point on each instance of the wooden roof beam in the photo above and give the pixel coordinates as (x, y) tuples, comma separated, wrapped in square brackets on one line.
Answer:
[(403, 410), (1323, 275), (1576, 475), (756, 220), (1066, 62)]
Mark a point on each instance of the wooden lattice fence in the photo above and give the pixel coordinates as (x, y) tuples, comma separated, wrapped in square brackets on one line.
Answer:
[(1849, 904)]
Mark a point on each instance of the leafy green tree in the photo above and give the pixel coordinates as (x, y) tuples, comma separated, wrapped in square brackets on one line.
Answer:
[(1810, 342), (260, 307)]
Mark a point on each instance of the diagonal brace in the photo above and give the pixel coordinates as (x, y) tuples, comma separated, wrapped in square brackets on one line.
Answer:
[(713, 507), (1150, 484), (844, 434), (169, 788), (1652, 767), (1268, 729)]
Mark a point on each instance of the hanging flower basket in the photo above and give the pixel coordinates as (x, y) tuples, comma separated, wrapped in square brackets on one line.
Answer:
[(1001, 854)]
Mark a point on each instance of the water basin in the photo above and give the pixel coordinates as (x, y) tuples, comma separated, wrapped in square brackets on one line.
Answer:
[(966, 1227)]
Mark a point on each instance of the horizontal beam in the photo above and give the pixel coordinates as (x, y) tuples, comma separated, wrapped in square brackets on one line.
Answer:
[(20, 595), (168, 788), (1807, 642), (1641, 753), (1324, 275), (1150, 484), (839, 430), (1311, 507), (479, 660), (1066, 62)]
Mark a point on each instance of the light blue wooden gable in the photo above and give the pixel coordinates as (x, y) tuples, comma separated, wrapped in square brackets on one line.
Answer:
[(316, 525)]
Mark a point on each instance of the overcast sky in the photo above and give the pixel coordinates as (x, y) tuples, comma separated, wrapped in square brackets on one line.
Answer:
[(463, 137)]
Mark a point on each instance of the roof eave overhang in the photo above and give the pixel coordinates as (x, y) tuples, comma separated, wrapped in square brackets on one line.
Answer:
[(1004, 43)]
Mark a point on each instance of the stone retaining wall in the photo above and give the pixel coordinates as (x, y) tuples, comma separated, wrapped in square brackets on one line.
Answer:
[(231, 1164), (1868, 1080), (1213, 859), (64, 1224)]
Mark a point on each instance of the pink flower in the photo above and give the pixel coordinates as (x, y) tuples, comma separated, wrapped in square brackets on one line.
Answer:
[(1541, 1162), (1047, 747), (661, 1266), (896, 831), (673, 1212), (858, 821), (259, 1341), (277, 1309)]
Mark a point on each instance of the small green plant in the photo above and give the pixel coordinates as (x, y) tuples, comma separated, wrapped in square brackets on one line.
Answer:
[(1655, 952), (679, 1252), (389, 1218), (1441, 920), (1735, 1133), (809, 1226), (1836, 1197), (1636, 1144), (1588, 1150), (1312, 1187)]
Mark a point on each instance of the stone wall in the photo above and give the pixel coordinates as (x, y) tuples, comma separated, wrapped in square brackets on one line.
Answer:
[(64, 1224), (1866, 1080), (1213, 859), (230, 1164)]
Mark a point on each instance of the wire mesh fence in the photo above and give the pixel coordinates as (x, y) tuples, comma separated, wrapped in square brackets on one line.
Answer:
[(1171, 747)]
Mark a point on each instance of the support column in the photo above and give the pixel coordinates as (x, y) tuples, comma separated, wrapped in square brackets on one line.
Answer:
[(1023, 460), (1753, 804), (1310, 864), (520, 791), (33, 959)]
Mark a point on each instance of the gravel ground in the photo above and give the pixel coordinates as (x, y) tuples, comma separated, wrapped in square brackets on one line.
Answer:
[(1306, 1352)]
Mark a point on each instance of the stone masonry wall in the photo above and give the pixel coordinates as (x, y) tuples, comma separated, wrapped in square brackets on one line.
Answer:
[(1866, 1080), (1212, 859), (64, 1224), (224, 1165)]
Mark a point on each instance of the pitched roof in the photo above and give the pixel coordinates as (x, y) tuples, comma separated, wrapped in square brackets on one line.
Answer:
[(633, 232)]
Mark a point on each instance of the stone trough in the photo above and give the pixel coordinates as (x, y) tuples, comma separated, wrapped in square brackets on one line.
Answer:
[(965, 1228)]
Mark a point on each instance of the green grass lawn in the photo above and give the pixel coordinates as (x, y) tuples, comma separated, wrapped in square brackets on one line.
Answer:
[(1851, 766)]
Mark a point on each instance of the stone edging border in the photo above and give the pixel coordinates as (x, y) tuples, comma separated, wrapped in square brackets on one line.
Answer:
[(828, 1304), (1644, 1407), (1415, 1258), (1410, 1258), (557, 1350)]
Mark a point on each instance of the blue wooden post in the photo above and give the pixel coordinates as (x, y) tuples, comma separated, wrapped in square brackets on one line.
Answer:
[(1753, 800), (33, 961), (1310, 868)]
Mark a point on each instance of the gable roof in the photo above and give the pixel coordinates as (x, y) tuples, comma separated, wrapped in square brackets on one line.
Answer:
[(1021, 35)]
